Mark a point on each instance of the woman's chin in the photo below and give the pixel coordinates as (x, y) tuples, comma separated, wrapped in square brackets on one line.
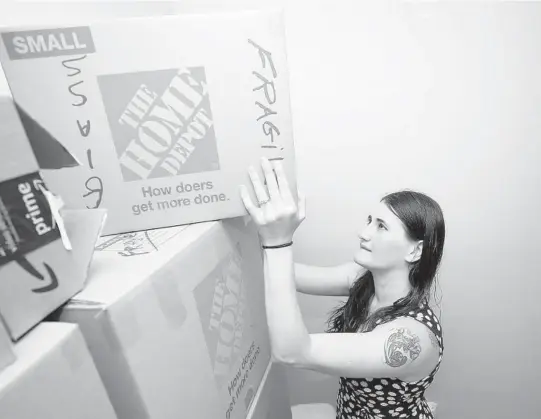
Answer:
[(360, 260)]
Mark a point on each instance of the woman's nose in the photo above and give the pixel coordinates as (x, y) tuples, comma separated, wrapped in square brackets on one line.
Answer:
[(363, 235)]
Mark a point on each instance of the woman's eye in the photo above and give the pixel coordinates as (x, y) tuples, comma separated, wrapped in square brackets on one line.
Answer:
[(381, 225)]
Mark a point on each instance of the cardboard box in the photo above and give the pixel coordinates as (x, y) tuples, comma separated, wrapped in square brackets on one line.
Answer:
[(54, 377), (175, 320), (16, 155), (7, 357), (165, 114), (272, 398), (37, 272), (313, 411)]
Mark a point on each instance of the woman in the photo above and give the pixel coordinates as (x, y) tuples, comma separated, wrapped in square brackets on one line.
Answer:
[(385, 344)]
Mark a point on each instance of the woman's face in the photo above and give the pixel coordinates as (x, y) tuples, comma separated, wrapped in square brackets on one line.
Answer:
[(385, 239)]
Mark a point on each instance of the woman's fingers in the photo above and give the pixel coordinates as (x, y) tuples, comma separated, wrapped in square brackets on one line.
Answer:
[(270, 178), (302, 206), (259, 189), (283, 184), (254, 211)]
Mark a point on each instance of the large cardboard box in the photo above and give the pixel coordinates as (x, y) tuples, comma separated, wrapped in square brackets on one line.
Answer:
[(7, 357), (54, 377), (175, 320), (38, 271), (165, 114), (272, 398)]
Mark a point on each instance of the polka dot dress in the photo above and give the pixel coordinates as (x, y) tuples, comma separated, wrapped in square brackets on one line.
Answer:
[(383, 398)]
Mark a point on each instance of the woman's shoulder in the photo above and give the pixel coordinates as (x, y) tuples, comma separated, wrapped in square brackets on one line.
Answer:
[(413, 333), (426, 315)]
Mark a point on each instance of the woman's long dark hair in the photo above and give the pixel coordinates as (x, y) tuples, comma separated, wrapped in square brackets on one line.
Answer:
[(422, 218)]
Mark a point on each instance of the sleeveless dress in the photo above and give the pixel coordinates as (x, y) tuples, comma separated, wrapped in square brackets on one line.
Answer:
[(383, 398)]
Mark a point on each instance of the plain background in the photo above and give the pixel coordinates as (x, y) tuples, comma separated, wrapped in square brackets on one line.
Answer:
[(439, 97)]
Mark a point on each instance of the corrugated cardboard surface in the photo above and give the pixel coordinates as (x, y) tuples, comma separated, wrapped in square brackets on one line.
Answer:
[(180, 327), (7, 356), (54, 377), (159, 111)]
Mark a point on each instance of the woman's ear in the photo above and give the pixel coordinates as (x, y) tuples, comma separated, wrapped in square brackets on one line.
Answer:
[(416, 252)]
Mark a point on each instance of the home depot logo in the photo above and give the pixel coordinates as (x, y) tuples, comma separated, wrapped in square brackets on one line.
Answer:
[(161, 122), (221, 301)]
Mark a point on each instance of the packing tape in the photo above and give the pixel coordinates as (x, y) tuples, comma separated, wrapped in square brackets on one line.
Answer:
[(122, 333), (55, 204), (125, 397), (169, 299), (248, 398), (188, 269), (74, 349)]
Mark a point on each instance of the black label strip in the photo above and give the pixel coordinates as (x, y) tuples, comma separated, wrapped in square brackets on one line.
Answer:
[(26, 221)]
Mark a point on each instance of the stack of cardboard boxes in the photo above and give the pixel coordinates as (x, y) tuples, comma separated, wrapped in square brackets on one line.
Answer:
[(119, 297), (48, 370)]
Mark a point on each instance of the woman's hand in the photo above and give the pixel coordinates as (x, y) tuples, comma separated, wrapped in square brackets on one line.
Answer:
[(277, 216)]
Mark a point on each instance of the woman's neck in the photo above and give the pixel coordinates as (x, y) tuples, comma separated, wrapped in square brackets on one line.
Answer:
[(390, 286)]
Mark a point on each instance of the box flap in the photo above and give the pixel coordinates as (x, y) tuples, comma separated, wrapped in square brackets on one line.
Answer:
[(47, 277), (83, 228), (49, 152), (17, 157)]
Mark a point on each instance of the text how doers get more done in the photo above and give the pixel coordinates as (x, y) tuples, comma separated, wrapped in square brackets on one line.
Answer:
[(164, 204)]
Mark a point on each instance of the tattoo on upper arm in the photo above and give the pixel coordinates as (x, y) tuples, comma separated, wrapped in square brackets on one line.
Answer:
[(400, 346)]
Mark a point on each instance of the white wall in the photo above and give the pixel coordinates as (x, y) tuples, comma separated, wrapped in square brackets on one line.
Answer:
[(444, 98)]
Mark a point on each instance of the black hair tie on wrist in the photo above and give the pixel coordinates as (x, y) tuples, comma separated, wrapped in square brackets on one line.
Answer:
[(278, 246)]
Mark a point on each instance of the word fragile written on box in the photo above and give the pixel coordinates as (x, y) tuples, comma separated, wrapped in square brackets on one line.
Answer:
[(164, 114)]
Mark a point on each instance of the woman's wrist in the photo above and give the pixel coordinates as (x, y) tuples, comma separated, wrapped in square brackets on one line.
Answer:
[(278, 255), (278, 246), (276, 242)]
